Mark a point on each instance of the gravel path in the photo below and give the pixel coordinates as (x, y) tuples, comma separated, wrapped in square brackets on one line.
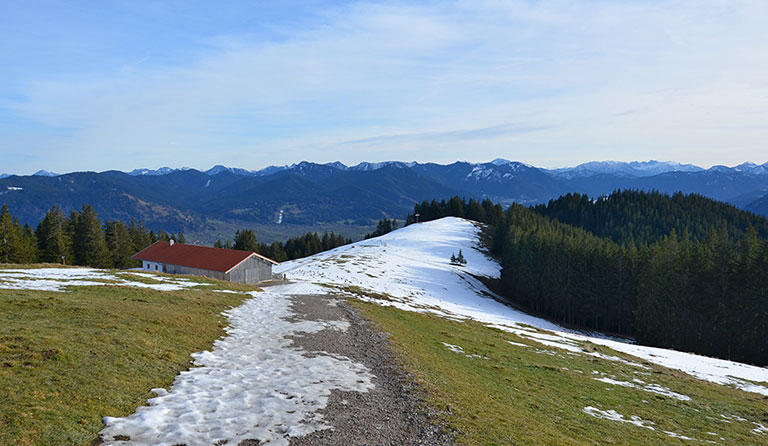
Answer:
[(390, 414)]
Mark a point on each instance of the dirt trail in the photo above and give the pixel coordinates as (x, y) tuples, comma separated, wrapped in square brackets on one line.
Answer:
[(390, 414)]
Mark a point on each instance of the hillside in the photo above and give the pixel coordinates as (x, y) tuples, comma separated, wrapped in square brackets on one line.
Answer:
[(411, 267)]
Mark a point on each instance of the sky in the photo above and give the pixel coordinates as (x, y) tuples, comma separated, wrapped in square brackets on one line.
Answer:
[(553, 83)]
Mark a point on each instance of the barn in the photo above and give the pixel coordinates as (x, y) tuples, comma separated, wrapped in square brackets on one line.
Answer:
[(223, 264)]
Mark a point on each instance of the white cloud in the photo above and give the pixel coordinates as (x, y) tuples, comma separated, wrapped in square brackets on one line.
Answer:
[(692, 75)]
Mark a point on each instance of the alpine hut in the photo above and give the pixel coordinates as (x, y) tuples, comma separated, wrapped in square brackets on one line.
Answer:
[(223, 264)]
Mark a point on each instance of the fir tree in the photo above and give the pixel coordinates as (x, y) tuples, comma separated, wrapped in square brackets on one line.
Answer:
[(119, 244), (89, 245), (245, 240), (11, 238), (52, 239)]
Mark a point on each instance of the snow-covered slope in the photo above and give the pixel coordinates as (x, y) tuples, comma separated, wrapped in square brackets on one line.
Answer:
[(411, 267)]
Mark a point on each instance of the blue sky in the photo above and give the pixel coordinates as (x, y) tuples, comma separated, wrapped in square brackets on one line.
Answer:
[(122, 85)]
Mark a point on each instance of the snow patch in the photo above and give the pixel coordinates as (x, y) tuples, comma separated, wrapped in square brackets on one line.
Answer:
[(253, 384), (615, 416), (652, 388), (58, 279), (458, 349), (676, 435)]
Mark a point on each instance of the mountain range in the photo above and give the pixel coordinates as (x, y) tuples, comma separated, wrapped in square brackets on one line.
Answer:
[(176, 199)]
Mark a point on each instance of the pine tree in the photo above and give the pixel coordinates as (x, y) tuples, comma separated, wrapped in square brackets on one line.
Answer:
[(119, 244), (277, 253), (52, 239), (29, 245), (89, 245), (140, 237), (11, 238), (460, 259), (245, 240)]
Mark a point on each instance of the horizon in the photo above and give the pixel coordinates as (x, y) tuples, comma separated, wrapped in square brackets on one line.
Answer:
[(102, 86), (203, 169)]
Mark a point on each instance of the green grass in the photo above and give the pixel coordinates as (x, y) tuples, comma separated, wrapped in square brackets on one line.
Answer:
[(69, 359), (536, 395)]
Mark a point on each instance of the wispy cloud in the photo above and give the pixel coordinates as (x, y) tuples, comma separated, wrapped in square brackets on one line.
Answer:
[(434, 80), (453, 136)]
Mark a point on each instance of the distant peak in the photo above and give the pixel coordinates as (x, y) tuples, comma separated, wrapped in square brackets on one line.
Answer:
[(45, 173), (217, 169), (500, 162), (161, 171), (366, 166), (337, 165), (626, 169)]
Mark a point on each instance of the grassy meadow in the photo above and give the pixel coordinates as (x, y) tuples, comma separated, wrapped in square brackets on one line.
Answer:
[(495, 388), (67, 359)]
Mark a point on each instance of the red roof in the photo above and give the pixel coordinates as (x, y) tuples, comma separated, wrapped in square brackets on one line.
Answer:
[(203, 257)]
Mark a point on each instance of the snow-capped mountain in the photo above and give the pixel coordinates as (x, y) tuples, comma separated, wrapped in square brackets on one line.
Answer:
[(752, 168), (365, 167), (498, 171), (624, 169), (217, 169), (155, 172), (45, 173)]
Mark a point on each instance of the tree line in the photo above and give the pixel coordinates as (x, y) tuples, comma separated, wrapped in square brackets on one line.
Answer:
[(80, 238), (385, 226), (651, 270), (293, 248), (77, 239)]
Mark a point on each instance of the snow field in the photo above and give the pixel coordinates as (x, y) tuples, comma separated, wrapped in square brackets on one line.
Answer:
[(252, 385), (58, 279), (412, 266)]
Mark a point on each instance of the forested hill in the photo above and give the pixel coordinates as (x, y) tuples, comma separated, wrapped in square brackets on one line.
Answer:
[(647, 217), (704, 294)]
